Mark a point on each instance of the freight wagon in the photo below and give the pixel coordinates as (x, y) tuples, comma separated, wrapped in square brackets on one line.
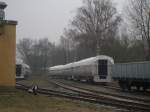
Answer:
[(135, 74)]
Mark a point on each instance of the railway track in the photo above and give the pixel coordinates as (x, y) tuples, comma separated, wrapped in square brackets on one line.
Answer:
[(89, 96), (117, 88), (111, 98), (129, 96)]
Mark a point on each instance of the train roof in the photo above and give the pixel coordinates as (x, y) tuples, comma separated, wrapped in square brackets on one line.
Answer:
[(56, 67), (20, 62), (82, 62), (92, 59)]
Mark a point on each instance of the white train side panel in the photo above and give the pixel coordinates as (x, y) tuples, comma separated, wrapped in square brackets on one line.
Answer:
[(98, 68)]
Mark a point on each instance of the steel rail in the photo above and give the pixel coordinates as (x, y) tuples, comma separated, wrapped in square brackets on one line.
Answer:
[(114, 94), (105, 97), (85, 97)]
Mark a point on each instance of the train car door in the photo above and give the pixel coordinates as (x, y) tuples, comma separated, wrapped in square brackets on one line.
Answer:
[(102, 69), (18, 69)]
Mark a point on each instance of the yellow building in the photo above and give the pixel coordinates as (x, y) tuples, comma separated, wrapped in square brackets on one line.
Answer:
[(7, 50)]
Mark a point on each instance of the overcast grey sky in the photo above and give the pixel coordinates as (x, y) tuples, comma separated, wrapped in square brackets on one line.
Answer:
[(43, 18)]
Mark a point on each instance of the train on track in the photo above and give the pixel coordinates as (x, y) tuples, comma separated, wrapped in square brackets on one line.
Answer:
[(22, 70), (103, 69)]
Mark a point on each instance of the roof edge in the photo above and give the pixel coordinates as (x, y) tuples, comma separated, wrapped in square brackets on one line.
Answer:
[(8, 22)]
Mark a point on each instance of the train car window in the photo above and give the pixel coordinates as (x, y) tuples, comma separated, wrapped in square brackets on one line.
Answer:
[(18, 70), (102, 69)]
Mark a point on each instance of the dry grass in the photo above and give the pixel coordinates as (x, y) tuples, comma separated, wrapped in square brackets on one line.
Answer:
[(39, 82), (25, 102)]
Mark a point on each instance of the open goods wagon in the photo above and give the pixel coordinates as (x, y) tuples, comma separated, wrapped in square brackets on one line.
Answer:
[(135, 74)]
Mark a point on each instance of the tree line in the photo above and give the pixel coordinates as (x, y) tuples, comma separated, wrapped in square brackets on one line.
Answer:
[(95, 30)]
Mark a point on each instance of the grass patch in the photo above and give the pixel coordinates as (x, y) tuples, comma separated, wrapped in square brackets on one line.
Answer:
[(24, 102), (40, 81), (34, 82)]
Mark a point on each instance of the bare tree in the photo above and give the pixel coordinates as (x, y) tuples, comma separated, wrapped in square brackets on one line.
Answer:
[(70, 47), (96, 20), (139, 16), (37, 54), (24, 47), (44, 53)]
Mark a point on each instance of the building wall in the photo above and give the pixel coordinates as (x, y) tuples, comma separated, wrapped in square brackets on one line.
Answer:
[(7, 54)]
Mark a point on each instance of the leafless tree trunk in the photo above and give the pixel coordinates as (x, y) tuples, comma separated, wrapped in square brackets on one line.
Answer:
[(37, 54), (24, 48), (96, 18), (139, 16)]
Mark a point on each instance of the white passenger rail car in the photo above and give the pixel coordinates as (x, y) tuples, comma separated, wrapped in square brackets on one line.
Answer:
[(22, 69), (97, 69)]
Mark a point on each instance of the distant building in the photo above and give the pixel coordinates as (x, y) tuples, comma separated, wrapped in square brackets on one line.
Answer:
[(7, 49)]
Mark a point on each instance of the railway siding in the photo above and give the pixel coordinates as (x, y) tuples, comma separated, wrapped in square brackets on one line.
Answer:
[(104, 94), (94, 98)]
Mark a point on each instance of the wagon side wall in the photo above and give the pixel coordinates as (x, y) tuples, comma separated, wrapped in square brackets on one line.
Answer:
[(137, 71)]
